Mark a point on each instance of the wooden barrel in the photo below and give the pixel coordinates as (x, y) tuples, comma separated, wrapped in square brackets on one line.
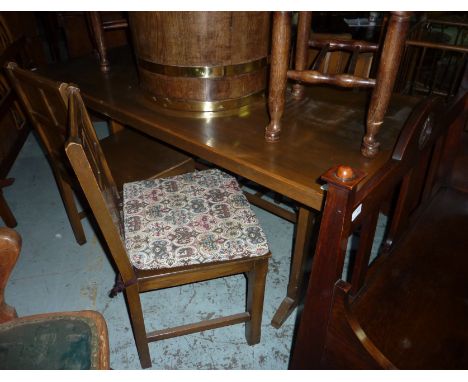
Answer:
[(202, 61)]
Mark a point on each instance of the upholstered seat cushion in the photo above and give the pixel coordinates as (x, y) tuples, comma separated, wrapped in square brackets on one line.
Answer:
[(194, 218), (55, 341)]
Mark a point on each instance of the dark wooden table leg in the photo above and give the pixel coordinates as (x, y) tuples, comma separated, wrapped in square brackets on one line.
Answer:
[(5, 212), (304, 223), (302, 50), (281, 42)]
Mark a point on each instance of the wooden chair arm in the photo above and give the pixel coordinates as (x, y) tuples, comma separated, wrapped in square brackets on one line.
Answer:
[(10, 246)]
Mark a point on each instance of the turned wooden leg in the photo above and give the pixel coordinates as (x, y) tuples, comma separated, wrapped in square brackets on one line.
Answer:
[(302, 50), (255, 295), (138, 325), (304, 223), (281, 42), (10, 246), (392, 52), (98, 35)]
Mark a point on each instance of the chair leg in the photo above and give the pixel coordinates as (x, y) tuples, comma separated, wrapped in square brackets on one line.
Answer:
[(69, 203), (255, 295), (138, 324)]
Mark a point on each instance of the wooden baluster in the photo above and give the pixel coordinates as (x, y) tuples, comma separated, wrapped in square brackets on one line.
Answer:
[(364, 251), (386, 74), (319, 59), (399, 220), (353, 62), (281, 42), (302, 50)]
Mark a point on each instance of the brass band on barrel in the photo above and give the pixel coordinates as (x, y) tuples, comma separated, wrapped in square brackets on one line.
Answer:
[(209, 106), (203, 71)]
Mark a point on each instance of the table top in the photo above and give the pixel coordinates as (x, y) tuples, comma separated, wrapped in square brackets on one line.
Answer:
[(318, 132)]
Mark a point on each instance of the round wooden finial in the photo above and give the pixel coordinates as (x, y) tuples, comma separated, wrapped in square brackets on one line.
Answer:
[(344, 173)]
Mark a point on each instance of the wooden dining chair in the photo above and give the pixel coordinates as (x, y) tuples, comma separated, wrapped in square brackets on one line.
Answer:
[(382, 84), (171, 231), (51, 341), (131, 155)]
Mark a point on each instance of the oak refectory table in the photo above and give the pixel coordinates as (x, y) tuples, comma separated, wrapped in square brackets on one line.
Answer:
[(320, 131)]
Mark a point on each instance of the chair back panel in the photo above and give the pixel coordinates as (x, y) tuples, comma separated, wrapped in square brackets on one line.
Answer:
[(45, 103), (91, 168)]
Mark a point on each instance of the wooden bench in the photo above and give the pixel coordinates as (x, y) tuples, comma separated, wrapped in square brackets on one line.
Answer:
[(408, 309)]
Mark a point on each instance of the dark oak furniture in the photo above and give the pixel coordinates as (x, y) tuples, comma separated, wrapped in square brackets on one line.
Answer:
[(60, 340), (435, 58), (170, 232), (13, 127), (131, 155), (321, 130), (391, 52), (98, 32), (408, 308)]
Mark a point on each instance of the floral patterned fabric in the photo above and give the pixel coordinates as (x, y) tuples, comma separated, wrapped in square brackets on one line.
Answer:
[(194, 218)]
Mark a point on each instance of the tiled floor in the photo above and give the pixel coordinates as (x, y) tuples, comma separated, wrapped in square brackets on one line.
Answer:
[(54, 273)]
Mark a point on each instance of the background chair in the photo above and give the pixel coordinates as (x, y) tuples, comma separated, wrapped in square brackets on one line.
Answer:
[(435, 58), (382, 84), (178, 230), (131, 155), (63, 340), (13, 127)]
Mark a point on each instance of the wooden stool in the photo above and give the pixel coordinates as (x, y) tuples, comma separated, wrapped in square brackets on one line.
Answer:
[(383, 83)]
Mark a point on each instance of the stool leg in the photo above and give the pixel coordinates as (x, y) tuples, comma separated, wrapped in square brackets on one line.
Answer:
[(392, 52), (281, 41), (302, 50), (98, 35), (255, 295)]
